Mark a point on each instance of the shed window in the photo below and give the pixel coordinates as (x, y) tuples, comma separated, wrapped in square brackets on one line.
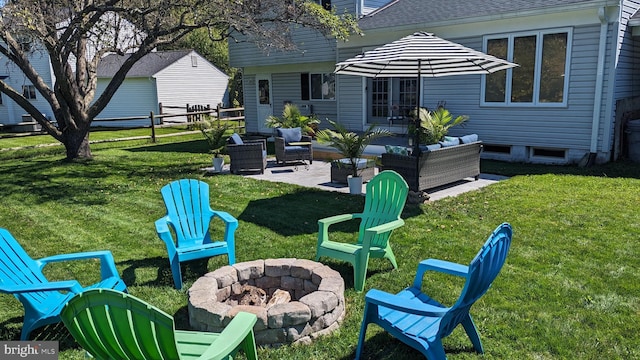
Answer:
[(541, 79)]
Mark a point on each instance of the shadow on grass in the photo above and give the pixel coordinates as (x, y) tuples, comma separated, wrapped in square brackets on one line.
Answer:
[(191, 271), (297, 213), (192, 146), (618, 169), (383, 346)]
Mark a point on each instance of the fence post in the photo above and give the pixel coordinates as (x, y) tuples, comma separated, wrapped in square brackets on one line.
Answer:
[(153, 127)]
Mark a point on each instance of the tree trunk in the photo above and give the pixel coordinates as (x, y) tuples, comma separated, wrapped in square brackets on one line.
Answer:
[(76, 142)]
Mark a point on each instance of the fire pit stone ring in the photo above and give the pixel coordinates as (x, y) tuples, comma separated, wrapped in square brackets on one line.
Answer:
[(295, 300)]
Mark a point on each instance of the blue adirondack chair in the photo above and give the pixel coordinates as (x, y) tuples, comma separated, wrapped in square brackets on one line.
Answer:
[(189, 215), (42, 299), (422, 322), (111, 325)]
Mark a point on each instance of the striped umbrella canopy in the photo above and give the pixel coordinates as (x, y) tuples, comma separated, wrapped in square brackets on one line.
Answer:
[(421, 54)]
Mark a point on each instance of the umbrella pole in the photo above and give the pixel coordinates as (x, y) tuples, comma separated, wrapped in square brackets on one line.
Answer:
[(416, 120)]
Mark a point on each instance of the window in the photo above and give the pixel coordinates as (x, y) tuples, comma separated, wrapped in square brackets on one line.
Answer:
[(29, 91), (317, 86), (325, 3), (541, 77)]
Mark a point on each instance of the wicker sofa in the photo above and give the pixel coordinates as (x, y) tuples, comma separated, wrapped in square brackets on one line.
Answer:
[(436, 167)]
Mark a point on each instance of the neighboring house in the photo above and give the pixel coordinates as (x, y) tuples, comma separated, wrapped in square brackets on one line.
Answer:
[(10, 112), (171, 78), (578, 59)]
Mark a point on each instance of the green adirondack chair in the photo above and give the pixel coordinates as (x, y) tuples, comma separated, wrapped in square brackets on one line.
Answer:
[(112, 325), (386, 195)]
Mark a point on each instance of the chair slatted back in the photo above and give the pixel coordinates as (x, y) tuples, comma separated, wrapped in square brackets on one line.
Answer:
[(386, 195), (483, 269), (187, 203), (113, 325), (18, 268)]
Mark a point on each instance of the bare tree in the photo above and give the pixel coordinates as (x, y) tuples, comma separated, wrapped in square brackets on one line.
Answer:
[(75, 34)]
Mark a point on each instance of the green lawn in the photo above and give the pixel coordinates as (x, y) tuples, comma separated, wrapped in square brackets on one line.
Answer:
[(569, 289)]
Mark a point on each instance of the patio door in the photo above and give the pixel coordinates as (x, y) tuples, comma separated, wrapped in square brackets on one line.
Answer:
[(264, 101)]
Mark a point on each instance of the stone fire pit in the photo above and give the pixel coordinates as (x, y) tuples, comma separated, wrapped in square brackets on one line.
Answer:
[(316, 305)]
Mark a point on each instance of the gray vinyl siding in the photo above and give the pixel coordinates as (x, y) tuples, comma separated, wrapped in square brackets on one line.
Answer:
[(312, 46), (349, 93), (555, 128), (628, 67)]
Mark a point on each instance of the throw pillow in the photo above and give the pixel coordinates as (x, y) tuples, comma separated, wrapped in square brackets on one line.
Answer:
[(469, 138), (425, 148), (449, 143), (235, 139), (452, 139), (400, 150), (290, 134)]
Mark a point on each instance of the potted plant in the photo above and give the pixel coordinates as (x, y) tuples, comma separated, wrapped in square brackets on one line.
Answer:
[(351, 146), (435, 125), (214, 131), (292, 118)]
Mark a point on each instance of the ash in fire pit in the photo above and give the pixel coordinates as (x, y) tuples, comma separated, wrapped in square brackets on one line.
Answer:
[(296, 300)]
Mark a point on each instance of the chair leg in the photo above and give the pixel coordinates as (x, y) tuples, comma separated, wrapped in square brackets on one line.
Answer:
[(472, 331), (177, 273), (360, 270), (388, 254), (435, 351), (363, 331)]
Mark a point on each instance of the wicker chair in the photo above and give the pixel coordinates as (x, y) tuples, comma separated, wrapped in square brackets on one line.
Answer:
[(289, 147), (247, 155)]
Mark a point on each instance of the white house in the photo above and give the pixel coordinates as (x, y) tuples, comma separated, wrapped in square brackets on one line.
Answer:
[(560, 114), (172, 78)]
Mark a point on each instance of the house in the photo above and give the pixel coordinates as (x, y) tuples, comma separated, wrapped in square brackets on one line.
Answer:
[(578, 62), (10, 113), (171, 78)]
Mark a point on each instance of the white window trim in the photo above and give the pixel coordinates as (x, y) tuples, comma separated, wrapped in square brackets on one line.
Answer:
[(536, 81)]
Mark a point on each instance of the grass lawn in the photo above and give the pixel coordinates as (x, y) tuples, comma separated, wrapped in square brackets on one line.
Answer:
[(570, 288)]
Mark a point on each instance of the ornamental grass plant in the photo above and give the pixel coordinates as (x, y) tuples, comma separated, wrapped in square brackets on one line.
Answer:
[(569, 288)]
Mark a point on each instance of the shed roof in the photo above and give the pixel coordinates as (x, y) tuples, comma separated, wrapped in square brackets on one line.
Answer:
[(147, 66), (407, 12)]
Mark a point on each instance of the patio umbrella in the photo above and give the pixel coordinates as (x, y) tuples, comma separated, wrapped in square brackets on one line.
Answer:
[(421, 54)]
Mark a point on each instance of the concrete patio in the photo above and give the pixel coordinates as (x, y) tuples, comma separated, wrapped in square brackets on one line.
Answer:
[(318, 173)]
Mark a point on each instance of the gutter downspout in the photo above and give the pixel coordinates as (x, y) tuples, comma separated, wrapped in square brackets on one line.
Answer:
[(597, 98)]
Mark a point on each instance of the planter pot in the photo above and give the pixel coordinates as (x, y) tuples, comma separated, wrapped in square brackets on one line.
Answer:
[(355, 185), (218, 162)]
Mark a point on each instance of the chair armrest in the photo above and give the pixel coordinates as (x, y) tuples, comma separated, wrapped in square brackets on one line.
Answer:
[(232, 336), (225, 216), (107, 263), (335, 219), (442, 266), (164, 233), (394, 302), (68, 285), (377, 230)]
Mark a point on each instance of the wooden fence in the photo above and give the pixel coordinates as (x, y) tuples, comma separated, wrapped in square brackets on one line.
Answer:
[(193, 114)]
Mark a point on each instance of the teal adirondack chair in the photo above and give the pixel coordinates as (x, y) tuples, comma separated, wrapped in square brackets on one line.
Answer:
[(42, 299), (111, 325), (189, 215), (422, 322), (386, 195)]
